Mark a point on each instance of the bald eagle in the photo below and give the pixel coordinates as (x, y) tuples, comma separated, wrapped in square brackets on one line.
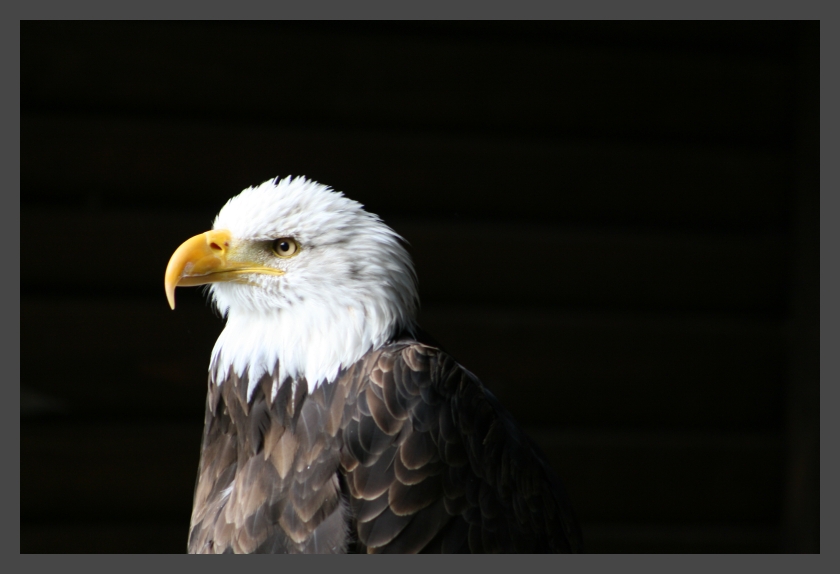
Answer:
[(332, 424)]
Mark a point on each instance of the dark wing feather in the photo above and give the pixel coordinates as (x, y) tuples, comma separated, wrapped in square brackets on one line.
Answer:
[(405, 452), (458, 474)]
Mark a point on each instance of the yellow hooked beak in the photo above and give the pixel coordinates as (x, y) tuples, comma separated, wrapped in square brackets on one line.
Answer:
[(207, 258)]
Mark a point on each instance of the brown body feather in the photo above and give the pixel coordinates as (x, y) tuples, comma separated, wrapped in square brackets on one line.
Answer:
[(405, 452)]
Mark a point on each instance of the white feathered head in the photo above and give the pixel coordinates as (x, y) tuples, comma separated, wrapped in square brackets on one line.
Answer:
[(309, 281)]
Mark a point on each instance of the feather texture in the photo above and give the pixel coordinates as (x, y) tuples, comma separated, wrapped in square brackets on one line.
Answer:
[(405, 451)]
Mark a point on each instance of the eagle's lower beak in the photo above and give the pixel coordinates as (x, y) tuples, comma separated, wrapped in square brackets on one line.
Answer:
[(206, 258)]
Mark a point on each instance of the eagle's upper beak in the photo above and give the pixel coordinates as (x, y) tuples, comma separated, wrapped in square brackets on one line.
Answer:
[(207, 258)]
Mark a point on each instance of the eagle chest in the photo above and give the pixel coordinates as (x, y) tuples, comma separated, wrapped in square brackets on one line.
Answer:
[(302, 472)]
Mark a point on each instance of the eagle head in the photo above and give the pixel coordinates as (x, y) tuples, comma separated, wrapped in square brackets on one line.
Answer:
[(308, 280)]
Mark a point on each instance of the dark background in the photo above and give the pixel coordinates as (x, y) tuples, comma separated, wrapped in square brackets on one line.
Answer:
[(614, 225)]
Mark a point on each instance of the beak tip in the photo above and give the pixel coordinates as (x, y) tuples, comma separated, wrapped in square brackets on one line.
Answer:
[(170, 296)]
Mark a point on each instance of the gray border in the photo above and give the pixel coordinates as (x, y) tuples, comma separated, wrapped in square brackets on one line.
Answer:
[(828, 336), (448, 10), (11, 338), (381, 9)]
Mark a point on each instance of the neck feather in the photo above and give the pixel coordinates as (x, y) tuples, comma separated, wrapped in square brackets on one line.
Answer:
[(307, 342)]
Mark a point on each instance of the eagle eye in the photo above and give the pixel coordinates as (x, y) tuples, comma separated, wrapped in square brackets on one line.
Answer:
[(285, 247)]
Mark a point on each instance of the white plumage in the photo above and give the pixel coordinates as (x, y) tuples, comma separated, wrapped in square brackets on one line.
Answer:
[(350, 289)]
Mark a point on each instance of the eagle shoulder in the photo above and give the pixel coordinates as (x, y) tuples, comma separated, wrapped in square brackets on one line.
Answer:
[(433, 463)]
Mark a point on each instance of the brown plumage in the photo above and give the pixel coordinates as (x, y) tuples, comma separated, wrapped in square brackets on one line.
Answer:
[(405, 452)]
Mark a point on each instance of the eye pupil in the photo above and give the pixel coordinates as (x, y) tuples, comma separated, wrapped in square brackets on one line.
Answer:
[(284, 246)]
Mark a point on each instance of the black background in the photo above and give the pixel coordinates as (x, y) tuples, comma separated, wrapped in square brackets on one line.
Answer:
[(614, 225)]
